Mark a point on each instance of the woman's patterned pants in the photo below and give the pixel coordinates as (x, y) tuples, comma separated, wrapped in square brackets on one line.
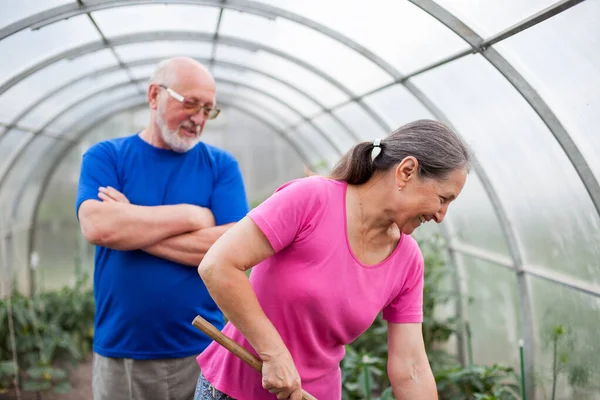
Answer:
[(206, 391)]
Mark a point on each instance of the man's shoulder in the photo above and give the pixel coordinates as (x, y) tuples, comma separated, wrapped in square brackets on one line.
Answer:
[(216, 151), (110, 146), (218, 155)]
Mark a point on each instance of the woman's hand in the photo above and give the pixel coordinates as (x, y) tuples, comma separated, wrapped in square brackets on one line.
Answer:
[(280, 376)]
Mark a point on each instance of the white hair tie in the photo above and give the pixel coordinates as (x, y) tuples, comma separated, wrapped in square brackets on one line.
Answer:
[(376, 149)]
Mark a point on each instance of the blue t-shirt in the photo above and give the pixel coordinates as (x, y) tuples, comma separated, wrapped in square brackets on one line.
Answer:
[(145, 305)]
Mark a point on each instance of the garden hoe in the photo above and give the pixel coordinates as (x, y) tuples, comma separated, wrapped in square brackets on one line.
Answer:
[(233, 347)]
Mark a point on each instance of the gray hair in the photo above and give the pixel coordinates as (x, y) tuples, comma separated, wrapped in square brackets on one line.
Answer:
[(436, 147)]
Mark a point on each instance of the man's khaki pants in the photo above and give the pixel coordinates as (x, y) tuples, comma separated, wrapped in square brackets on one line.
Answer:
[(127, 379)]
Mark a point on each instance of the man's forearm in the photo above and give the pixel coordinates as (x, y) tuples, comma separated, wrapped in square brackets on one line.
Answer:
[(187, 248), (123, 226)]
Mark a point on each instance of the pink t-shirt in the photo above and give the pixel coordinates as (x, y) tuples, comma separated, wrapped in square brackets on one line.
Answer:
[(315, 292)]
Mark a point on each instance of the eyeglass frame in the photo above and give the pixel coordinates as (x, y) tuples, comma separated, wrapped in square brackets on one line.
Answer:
[(180, 98)]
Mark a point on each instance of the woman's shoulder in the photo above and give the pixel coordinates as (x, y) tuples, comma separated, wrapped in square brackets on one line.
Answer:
[(410, 250), (313, 194), (313, 181), (313, 185)]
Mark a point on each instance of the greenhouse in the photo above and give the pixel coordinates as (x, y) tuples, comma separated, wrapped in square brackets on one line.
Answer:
[(511, 296)]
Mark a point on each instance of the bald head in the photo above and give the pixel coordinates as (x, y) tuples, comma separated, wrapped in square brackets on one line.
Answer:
[(176, 70)]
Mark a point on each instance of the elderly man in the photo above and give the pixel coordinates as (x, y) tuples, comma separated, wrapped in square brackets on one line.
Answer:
[(153, 203)]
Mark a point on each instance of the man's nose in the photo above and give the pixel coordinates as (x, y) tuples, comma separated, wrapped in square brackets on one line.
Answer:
[(198, 118)]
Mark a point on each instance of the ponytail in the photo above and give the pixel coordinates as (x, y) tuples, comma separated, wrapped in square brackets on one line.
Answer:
[(359, 163)]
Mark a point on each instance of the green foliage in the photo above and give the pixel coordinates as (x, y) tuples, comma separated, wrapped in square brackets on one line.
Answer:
[(361, 373), (255, 203), (562, 341), (51, 330), (320, 165), (364, 366), (436, 330), (477, 382), (8, 371)]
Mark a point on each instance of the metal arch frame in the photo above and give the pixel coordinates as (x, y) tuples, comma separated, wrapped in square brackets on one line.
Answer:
[(183, 36), (347, 42), (75, 139), (438, 12), (479, 45), (50, 16), (136, 38), (154, 60), (283, 103), (23, 147), (458, 282), (126, 83), (89, 127), (267, 123), (232, 103), (243, 5), (47, 96), (18, 153), (241, 67), (497, 206), (45, 182), (246, 44), (178, 36), (481, 174), (506, 262), (44, 18), (560, 134), (246, 6), (81, 133)]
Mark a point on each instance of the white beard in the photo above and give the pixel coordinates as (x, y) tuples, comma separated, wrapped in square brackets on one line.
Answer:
[(172, 138)]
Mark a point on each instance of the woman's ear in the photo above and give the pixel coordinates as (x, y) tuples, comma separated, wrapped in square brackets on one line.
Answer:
[(406, 170)]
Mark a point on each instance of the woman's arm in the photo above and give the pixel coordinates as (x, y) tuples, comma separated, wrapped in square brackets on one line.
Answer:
[(408, 366), (222, 270)]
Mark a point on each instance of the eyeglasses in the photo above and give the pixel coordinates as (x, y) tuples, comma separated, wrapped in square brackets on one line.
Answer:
[(192, 107)]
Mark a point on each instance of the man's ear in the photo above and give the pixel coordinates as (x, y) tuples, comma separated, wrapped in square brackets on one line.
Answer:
[(153, 96)]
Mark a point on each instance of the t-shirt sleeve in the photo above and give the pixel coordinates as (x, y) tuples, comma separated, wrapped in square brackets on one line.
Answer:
[(98, 168), (290, 213), (228, 201), (407, 306)]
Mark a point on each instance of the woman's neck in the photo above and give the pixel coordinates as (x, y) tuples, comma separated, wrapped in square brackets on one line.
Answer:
[(367, 209), (372, 235)]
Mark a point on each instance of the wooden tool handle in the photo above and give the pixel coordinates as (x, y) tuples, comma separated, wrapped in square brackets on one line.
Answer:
[(234, 347)]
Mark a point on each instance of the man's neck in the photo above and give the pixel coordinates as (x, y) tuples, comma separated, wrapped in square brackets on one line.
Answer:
[(151, 135)]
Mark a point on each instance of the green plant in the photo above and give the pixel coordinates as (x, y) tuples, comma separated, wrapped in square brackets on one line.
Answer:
[(562, 342), (436, 330), (364, 367), (361, 374), (8, 371), (477, 382), (51, 330)]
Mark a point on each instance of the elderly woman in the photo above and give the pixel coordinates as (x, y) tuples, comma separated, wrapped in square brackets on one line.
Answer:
[(329, 254)]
